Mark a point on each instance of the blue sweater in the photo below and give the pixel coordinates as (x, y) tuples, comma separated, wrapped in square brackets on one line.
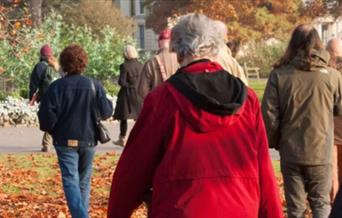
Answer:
[(68, 110)]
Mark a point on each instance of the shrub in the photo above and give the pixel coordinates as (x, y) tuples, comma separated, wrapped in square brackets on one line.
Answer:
[(262, 55), (104, 51), (111, 87)]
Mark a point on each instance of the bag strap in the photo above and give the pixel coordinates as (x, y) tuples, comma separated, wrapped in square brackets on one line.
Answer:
[(44, 74), (162, 68), (97, 112)]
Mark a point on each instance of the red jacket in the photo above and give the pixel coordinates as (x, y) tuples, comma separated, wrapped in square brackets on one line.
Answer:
[(199, 164)]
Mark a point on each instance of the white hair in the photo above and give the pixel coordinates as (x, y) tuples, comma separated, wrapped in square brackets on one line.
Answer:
[(130, 52), (196, 35), (221, 29)]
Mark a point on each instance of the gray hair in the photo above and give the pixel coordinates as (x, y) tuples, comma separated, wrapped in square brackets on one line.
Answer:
[(130, 52), (221, 29), (196, 35)]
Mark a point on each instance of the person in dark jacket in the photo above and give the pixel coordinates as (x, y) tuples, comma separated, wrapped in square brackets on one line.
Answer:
[(69, 112), (128, 104), (199, 141), (302, 96), (334, 47), (42, 76), (336, 211)]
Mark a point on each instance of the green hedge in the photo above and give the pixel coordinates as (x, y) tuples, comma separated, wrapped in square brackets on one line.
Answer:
[(104, 51), (262, 55)]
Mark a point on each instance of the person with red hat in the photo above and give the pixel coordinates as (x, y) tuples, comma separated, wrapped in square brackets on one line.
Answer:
[(42, 75), (159, 68)]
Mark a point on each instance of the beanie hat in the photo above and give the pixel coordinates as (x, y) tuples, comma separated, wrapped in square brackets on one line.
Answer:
[(46, 50), (165, 35)]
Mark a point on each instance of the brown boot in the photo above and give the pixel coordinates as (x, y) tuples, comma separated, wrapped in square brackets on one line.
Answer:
[(121, 141), (45, 149)]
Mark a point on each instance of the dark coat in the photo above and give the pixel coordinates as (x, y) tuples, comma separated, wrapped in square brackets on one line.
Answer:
[(187, 145), (41, 77), (338, 120), (128, 104), (68, 110), (336, 211)]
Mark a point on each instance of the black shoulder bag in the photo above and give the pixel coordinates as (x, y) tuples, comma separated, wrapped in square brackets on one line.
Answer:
[(101, 132)]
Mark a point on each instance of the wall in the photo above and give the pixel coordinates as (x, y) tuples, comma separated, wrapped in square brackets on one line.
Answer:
[(147, 41), (328, 27)]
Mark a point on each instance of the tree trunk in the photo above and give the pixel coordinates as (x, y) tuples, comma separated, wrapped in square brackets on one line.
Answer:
[(36, 12)]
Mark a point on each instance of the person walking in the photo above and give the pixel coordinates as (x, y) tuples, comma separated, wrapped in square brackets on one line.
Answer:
[(186, 144), (301, 97), (225, 57), (44, 72), (159, 68), (69, 111), (127, 105), (334, 47)]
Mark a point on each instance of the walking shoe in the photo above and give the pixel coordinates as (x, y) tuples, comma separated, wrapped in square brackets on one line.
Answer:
[(45, 149), (121, 141)]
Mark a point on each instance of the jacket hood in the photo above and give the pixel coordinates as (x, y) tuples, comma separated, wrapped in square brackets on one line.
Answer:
[(216, 96), (319, 59)]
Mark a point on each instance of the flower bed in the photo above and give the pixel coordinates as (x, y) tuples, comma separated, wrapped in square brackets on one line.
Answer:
[(17, 111)]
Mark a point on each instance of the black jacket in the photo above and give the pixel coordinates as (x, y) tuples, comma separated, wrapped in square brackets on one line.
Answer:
[(41, 77), (68, 110), (336, 211), (128, 104)]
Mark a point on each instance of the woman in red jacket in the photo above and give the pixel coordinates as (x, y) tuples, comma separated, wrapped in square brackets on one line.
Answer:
[(199, 141)]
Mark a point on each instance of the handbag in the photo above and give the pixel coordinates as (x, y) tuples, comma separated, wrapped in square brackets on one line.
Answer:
[(101, 132)]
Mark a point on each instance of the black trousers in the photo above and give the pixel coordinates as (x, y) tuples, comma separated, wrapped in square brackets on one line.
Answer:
[(123, 127)]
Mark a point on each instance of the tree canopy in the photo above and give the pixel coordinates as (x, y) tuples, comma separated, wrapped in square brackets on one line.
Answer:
[(251, 19), (316, 8), (94, 14)]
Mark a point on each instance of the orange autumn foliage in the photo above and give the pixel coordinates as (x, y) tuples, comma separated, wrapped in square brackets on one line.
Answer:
[(246, 20)]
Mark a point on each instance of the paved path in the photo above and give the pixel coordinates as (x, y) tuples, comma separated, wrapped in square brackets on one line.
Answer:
[(24, 139)]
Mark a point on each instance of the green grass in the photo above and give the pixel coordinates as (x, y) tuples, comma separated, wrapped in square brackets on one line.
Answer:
[(44, 164), (38, 173), (258, 86), (276, 167)]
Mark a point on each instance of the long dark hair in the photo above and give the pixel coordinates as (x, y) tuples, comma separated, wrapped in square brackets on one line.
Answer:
[(305, 38)]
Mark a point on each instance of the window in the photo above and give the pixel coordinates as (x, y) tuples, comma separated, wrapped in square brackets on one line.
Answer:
[(142, 36), (325, 33), (132, 4), (142, 6)]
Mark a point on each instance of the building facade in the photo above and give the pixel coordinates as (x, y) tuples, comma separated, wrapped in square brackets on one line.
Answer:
[(328, 27), (146, 38)]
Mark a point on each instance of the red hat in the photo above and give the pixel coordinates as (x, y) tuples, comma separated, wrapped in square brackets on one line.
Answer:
[(165, 34), (46, 50)]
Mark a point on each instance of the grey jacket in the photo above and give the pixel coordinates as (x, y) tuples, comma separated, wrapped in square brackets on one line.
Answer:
[(299, 103)]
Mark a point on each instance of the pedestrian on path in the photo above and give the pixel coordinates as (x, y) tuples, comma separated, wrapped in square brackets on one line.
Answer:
[(160, 67), (69, 112), (43, 74), (128, 104), (300, 100), (334, 47), (225, 58), (199, 141)]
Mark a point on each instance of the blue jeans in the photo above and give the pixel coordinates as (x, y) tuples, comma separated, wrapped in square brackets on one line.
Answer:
[(76, 168)]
